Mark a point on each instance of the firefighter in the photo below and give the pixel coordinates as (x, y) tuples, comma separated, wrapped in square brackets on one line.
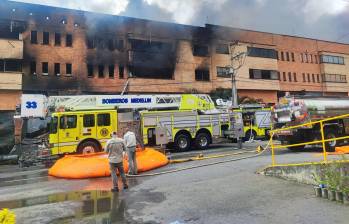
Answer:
[(115, 148), (130, 142)]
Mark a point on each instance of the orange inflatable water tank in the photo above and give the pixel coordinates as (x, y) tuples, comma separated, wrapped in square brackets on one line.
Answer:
[(97, 164)]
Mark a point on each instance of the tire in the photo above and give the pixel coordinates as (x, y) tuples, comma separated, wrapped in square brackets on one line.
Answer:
[(331, 146), (182, 142), (202, 141), (88, 147), (250, 135)]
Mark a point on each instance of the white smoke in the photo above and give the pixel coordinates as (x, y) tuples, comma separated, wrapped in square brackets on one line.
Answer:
[(184, 11), (114, 7)]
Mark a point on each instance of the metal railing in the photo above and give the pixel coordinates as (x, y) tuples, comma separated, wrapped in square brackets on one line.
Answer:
[(323, 140)]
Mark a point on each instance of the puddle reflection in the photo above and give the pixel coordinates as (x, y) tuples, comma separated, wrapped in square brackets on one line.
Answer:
[(101, 206)]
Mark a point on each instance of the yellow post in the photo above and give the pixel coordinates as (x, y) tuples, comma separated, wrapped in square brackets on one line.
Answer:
[(323, 140), (272, 150)]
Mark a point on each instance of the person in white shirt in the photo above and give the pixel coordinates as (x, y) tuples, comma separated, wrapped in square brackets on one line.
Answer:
[(130, 142)]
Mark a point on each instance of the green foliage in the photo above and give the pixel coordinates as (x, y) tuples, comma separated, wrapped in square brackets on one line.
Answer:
[(333, 176)]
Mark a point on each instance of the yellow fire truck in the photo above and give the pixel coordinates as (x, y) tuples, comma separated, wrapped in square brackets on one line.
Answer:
[(83, 124), (256, 120)]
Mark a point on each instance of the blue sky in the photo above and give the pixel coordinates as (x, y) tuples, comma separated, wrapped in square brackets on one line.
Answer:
[(322, 19)]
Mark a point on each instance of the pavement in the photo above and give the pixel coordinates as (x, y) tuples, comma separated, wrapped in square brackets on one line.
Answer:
[(227, 192)]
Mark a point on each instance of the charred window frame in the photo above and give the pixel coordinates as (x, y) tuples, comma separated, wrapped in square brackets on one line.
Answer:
[(57, 69), (90, 71), (57, 39), (111, 45), (222, 49), (69, 40), (202, 75), (223, 72), (200, 50), (44, 68), (100, 71), (120, 45), (90, 43), (33, 67), (263, 74), (10, 65), (262, 52), (121, 72), (68, 69), (111, 71), (45, 38), (34, 37)]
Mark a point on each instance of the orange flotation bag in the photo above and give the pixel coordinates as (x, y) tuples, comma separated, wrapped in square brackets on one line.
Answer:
[(97, 164)]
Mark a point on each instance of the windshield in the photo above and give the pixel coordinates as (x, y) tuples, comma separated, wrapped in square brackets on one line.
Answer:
[(53, 125)]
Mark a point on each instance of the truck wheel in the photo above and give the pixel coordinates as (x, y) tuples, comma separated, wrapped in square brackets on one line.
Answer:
[(88, 147), (202, 141), (250, 135), (330, 146), (182, 142)]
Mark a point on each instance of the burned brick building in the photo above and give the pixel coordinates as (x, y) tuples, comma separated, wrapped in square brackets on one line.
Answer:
[(62, 51)]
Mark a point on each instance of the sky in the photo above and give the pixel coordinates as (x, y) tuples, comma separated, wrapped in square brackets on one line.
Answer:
[(321, 19)]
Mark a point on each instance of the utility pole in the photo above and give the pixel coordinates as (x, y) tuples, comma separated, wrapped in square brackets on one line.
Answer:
[(237, 61)]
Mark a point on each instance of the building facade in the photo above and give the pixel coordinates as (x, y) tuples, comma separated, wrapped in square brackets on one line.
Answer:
[(60, 51)]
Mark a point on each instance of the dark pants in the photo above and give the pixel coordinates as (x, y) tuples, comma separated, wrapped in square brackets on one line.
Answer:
[(120, 167), (132, 163)]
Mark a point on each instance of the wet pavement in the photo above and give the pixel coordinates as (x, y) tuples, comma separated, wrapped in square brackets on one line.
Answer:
[(229, 192)]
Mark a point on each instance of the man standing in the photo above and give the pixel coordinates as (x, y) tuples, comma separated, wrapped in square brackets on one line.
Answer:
[(130, 142), (115, 148)]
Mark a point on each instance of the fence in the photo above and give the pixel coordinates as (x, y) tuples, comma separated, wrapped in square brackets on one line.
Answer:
[(322, 124)]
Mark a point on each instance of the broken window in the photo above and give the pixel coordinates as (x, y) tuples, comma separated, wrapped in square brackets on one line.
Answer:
[(89, 70), (120, 45), (121, 72), (68, 69), (44, 68), (100, 71), (69, 40), (200, 50), (111, 44), (222, 49), (33, 67), (46, 38), (111, 71), (57, 69), (223, 72), (90, 43), (202, 75), (34, 37), (57, 39)]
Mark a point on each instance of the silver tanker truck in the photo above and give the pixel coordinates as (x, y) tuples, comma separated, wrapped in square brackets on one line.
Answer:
[(295, 110)]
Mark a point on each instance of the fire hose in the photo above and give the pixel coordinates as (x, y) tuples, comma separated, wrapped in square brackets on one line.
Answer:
[(207, 164)]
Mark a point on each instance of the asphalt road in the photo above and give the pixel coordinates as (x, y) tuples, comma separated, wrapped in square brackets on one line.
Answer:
[(228, 192)]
